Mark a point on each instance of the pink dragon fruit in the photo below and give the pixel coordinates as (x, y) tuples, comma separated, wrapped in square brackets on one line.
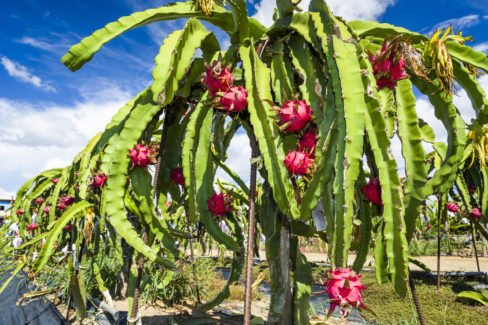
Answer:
[(67, 200), (387, 70), (39, 200), (219, 204), (55, 181), (177, 177), (61, 206), (32, 226), (453, 207), (308, 142), (234, 99), (99, 180), (139, 155), (295, 115), (475, 213), (217, 78), (46, 209), (344, 289), (372, 191), (20, 212), (298, 162)]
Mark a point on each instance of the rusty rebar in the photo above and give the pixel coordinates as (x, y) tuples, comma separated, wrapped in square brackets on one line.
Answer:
[(250, 234), (473, 235), (439, 208), (416, 300), (140, 267)]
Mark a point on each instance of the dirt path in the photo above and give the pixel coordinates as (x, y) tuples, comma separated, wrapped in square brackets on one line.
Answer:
[(448, 263)]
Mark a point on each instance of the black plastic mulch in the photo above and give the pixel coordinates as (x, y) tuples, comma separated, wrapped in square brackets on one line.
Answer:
[(36, 311)]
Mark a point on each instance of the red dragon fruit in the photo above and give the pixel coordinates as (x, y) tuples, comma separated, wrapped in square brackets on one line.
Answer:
[(67, 200), (298, 162), (475, 213), (308, 142), (61, 206), (388, 70), (234, 99), (39, 200), (217, 78), (99, 180), (20, 212), (219, 204), (32, 226), (177, 177), (139, 155), (295, 115), (68, 228), (344, 289), (372, 191), (46, 209), (453, 207)]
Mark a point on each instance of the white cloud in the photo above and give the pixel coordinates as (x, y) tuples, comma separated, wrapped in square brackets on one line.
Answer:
[(5, 193), (482, 47), (348, 9), (21, 73), (426, 112), (459, 23), (36, 137), (396, 150), (57, 46), (239, 158), (463, 103)]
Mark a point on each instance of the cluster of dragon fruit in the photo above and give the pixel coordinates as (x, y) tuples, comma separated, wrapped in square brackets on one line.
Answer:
[(40, 209)]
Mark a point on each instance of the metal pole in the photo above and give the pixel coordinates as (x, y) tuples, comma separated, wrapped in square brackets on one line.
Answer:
[(140, 267), (473, 235), (250, 236), (439, 208)]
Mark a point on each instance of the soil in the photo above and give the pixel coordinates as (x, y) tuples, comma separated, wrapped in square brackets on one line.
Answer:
[(448, 263), (161, 314)]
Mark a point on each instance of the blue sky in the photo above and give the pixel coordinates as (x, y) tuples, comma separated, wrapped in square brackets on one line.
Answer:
[(47, 113)]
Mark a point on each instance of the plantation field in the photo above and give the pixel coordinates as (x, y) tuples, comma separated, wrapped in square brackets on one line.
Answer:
[(438, 307)]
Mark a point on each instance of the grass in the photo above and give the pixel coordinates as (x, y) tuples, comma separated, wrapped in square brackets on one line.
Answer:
[(438, 307), (429, 248)]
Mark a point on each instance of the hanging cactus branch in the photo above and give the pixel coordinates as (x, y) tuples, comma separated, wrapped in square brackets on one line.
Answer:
[(320, 99)]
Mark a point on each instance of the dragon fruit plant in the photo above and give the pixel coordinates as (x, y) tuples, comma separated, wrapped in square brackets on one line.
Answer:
[(320, 99)]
